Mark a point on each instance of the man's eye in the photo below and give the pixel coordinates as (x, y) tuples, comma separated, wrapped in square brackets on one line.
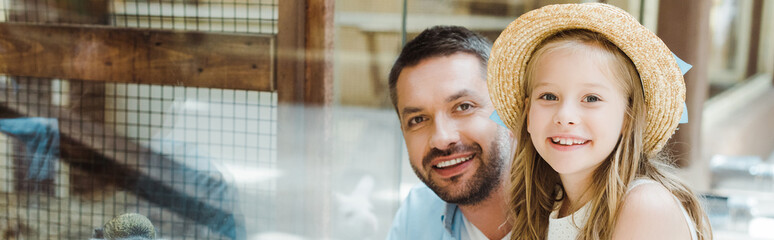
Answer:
[(549, 97), (415, 120), (464, 107), (591, 98)]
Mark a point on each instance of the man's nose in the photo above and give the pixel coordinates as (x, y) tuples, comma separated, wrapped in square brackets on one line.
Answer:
[(567, 114), (445, 133)]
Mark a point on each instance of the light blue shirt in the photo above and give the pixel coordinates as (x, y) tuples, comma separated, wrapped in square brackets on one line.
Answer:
[(423, 215)]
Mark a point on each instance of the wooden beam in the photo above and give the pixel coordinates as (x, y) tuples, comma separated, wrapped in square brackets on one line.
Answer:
[(689, 40), (125, 55)]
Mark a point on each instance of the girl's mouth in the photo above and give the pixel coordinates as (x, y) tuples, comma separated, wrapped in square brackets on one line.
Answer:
[(568, 141)]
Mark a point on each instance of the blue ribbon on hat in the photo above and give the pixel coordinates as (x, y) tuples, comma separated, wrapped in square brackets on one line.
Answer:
[(496, 118), (684, 67)]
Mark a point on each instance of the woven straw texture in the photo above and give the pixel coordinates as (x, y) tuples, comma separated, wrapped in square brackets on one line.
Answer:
[(662, 81)]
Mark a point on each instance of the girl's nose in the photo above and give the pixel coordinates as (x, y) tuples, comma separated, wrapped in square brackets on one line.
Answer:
[(566, 115)]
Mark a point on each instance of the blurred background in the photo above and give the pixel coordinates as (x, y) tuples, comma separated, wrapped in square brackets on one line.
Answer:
[(269, 119)]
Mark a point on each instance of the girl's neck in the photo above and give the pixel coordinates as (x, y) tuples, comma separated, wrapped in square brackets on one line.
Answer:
[(575, 193)]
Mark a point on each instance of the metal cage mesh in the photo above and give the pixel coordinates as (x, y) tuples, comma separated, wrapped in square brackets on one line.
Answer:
[(188, 158)]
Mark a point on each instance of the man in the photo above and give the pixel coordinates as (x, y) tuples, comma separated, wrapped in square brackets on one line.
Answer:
[(439, 91)]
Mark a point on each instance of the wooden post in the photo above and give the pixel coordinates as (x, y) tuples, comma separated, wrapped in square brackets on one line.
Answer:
[(304, 88), (684, 27), (755, 37)]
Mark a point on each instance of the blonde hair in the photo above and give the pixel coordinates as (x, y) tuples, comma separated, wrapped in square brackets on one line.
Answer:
[(535, 186)]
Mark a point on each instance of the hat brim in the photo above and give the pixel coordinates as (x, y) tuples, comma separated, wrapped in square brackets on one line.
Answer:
[(662, 81)]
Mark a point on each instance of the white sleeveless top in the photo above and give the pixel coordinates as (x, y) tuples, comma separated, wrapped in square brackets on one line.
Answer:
[(569, 226)]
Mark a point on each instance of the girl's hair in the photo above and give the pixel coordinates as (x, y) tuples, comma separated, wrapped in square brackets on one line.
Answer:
[(535, 186)]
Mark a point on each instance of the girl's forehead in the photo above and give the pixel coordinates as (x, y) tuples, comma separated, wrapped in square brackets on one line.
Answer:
[(577, 65), (566, 63)]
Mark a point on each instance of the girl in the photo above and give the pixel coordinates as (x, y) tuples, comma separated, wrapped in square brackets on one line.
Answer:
[(592, 97)]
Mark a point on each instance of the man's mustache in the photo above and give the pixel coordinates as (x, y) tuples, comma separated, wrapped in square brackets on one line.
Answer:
[(454, 149)]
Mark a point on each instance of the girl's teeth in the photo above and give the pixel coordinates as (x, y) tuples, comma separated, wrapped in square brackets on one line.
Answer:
[(565, 141)]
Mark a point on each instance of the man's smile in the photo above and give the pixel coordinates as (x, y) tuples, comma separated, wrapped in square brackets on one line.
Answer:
[(450, 166), (453, 162)]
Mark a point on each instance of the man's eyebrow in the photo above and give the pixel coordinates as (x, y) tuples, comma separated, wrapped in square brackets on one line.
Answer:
[(458, 95), (409, 110)]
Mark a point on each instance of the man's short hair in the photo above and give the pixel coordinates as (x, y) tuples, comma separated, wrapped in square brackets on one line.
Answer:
[(438, 41)]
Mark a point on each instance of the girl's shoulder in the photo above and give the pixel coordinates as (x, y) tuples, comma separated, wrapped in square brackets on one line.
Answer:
[(645, 193), (650, 211)]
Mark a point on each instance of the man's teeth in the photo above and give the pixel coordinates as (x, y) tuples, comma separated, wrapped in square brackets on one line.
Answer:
[(568, 141), (453, 162)]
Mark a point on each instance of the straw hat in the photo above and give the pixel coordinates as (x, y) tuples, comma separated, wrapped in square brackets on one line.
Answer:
[(661, 77)]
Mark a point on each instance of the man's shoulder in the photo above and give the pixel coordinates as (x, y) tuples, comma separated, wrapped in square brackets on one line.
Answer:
[(421, 195), (419, 216)]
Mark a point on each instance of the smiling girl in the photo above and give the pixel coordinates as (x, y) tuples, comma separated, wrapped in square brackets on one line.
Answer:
[(592, 97)]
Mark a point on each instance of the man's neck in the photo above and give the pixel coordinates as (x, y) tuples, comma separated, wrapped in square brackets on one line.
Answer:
[(489, 215)]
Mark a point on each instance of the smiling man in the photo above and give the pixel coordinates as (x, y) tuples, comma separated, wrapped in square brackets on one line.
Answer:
[(439, 91)]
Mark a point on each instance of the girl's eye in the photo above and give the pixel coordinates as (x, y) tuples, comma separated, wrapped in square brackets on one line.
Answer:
[(591, 98), (415, 120), (549, 97), (464, 107)]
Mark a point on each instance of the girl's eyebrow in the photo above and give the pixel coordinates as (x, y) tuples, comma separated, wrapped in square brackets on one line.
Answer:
[(596, 85), (585, 85), (543, 84)]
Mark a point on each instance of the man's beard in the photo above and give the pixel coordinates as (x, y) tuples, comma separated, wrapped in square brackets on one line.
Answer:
[(487, 177)]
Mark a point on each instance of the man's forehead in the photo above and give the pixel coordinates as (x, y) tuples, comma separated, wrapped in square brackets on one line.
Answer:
[(439, 77)]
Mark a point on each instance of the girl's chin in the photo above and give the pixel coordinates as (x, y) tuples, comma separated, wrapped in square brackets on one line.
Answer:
[(571, 167)]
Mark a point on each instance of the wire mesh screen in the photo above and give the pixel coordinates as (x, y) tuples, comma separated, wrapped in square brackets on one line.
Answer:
[(236, 16), (249, 16), (74, 154)]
